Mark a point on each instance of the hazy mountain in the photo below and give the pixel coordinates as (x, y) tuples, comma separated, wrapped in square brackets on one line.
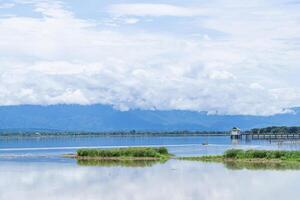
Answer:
[(105, 118)]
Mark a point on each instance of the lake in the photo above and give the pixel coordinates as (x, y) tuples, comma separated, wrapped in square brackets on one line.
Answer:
[(32, 169)]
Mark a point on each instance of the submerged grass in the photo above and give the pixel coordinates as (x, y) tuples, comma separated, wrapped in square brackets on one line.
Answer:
[(204, 158), (125, 153)]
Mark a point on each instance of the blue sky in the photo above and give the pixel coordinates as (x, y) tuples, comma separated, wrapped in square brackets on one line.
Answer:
[(220, 56)]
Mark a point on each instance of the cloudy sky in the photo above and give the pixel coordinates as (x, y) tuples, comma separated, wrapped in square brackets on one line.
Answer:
[(220, 56)]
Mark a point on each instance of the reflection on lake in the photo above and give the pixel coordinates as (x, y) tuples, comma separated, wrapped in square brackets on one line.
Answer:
[(231, 165), (176, 180), (31, 169), (119, 163), (262, 166)]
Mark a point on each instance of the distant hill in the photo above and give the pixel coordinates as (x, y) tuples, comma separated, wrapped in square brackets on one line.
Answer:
[(105, 118)]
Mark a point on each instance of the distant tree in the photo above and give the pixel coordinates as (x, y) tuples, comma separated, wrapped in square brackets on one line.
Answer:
[(276, 130)]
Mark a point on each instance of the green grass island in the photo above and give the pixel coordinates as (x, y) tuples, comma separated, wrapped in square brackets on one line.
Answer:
[(251, 156), (147, 156), (130, 153)]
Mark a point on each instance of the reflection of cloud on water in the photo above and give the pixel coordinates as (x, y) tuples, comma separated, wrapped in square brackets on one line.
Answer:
[(176, 180)]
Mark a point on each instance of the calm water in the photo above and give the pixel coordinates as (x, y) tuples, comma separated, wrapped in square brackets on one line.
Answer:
[(177, 180), (182, 146), (33, 169)]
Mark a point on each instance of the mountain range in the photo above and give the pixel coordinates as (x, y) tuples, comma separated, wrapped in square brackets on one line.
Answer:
[(106, 118)]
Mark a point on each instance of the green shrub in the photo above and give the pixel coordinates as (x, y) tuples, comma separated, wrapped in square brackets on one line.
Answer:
[(233, 153), (255, 154), (163, 150)]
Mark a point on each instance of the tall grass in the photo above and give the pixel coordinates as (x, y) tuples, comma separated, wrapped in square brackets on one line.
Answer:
[(262, 154), (141, 152)]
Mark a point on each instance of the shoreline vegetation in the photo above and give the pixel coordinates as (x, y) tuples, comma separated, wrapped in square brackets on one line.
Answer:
[(161, 153), (133, 133), (251, 156), (276, 130), (122, 154), (234, 159), (40, 133)]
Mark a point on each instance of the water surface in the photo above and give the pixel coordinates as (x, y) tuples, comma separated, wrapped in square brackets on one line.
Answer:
[(33, 169), (178, 180), (179, 145)]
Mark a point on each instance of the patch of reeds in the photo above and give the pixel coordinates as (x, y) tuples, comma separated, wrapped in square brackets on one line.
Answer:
[(131, 152), (262, 154), (252, 156)]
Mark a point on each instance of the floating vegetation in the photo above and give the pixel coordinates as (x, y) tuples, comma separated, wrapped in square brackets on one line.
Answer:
[(262, 154), (254, 159), (131, 153)]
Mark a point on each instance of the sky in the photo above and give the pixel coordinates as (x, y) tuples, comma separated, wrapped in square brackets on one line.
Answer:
[(221, 56)]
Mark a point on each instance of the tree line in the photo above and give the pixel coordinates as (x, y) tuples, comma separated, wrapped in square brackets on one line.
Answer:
[(276, 130), (108, 133)]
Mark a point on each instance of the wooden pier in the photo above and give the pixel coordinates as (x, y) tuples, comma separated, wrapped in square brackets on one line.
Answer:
[(270, 136)]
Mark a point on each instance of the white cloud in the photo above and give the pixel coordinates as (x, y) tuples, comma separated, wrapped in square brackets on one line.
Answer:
[(6, 5), (147, 9), (131, 20), (60, 58)]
